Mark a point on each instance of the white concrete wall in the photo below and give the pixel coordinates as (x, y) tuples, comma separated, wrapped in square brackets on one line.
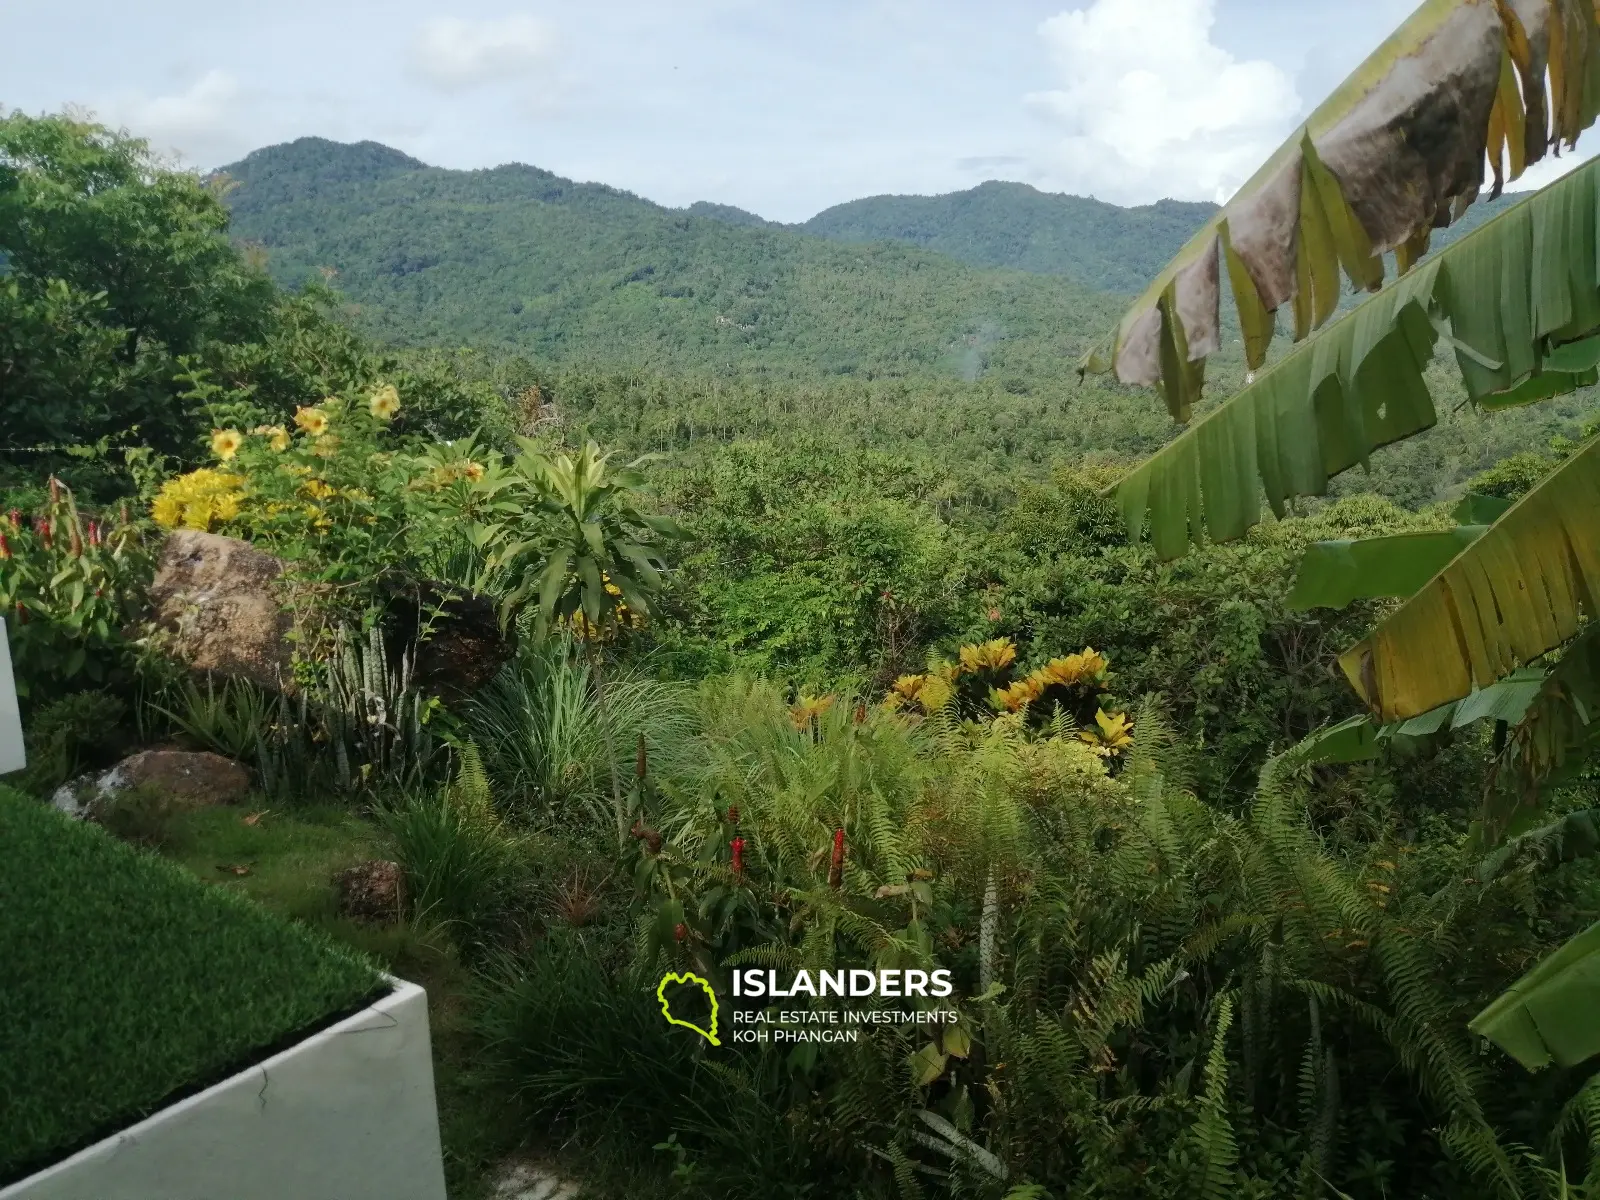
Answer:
[(347, 1114)]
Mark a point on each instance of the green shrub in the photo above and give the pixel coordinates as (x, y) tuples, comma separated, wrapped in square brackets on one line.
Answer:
[(540, 726), (465, 869), (69, 734), (127, 981)]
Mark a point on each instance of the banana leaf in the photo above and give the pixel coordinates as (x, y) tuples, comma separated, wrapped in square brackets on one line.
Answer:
[(1332, 574), (1395, 152), (1550, 1014), (1473, 509), (1518, 592), (1509, 296)]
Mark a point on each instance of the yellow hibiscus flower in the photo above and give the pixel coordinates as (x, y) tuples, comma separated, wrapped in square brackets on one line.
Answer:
[(385, 402), (313, 420), (225, 443)]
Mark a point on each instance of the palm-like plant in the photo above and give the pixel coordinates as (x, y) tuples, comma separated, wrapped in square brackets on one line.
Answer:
[(591, 557)]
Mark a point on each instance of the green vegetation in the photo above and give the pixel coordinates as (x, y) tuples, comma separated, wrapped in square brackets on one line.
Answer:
[(572, 271), (127, 982), (855, 669), (1014, 226)]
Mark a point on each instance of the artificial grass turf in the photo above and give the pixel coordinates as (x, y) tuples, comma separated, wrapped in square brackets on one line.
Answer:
[(126, 982)]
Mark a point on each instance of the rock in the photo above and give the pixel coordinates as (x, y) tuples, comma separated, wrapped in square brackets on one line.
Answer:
[(371, 891), (198, 778), (189, 778), (462, 646), (532, 1181), (217, 598)]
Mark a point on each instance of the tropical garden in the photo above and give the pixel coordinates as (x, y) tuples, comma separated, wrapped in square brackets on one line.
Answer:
[(1249, 799)]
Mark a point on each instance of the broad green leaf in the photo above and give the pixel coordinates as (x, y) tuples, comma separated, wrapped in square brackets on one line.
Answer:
[(1549, 1015), (554, 580), (1510, 290), (1332, 574), (1474, 509), (1396, 150), (927, 1064), (1516, 593), (1354, 740)]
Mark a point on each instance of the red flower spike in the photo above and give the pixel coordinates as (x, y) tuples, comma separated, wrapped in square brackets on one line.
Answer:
[(680, 931), (738, 857), (836, 867), (94, 533), (5, 547), (16, 518)]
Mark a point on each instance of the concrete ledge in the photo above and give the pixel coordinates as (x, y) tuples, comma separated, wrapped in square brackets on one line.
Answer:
[(347, 1114)]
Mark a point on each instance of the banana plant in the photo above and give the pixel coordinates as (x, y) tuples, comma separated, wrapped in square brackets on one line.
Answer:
[(1396, 151)]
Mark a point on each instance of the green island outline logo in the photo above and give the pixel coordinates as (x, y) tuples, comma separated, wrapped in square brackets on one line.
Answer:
[(666, 1006)]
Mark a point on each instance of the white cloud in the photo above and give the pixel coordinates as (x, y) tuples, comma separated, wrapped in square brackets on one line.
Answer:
[(1150, 107), (454, 55), (196, 124)]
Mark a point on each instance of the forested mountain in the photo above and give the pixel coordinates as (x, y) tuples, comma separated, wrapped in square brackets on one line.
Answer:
[(1016, 226), (519, 257)]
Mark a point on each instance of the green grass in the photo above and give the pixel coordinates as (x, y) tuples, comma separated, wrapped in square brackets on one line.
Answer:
[(124, 982)]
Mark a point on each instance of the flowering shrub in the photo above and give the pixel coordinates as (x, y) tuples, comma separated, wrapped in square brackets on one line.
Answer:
[(338, 497), (72, 588), (982, 683)]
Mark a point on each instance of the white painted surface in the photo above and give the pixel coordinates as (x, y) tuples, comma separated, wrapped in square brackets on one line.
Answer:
[(12, 757), (347, 1114)]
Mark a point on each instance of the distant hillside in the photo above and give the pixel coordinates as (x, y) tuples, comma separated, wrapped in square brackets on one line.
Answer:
[(517, 256), (1013, 225)]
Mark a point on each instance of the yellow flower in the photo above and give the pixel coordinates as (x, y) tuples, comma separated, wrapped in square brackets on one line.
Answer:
[(474, 471), (277, 436), (313, 420), (385, 402), (225, 443), (995, 655), (317, 489)]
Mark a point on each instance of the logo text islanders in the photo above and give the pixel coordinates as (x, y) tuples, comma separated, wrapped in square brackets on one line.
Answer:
[(914, 990)]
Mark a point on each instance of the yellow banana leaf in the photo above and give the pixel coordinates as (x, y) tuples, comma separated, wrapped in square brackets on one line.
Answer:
[(1395, 152), (1518, 298), (1519, 591)]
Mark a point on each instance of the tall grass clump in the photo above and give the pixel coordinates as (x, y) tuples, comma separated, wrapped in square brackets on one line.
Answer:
[(465, 869), (542, 730)]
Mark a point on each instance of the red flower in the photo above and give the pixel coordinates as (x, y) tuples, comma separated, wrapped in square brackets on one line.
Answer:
[(16, 518), (738, 857), (5, 547), (680, 931), (94, 533), (836, 867)]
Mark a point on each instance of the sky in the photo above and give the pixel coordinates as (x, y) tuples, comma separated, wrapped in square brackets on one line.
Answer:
[(782, 108)]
